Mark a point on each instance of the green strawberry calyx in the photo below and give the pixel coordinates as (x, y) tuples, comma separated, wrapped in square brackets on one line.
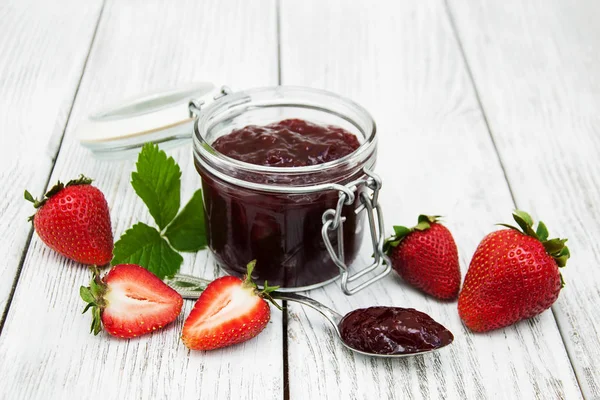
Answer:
[(400, 232), (82, 180), (556, 247), (93, 295), (267, 290)]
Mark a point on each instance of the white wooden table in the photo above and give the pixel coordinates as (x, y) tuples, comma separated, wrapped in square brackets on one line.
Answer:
[(481, 106)]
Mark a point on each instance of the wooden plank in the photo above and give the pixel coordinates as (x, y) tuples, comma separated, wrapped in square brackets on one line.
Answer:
[(536, 65), (401, 60), (46, 349), (44, 46)]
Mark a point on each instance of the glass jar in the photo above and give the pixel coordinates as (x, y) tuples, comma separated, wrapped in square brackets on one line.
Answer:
[(303, 225), (279, 215)]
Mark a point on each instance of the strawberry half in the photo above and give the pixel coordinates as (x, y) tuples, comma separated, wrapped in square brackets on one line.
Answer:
[(229, 311), (426, 257), (130, 301), (513, 275), (73, 220)]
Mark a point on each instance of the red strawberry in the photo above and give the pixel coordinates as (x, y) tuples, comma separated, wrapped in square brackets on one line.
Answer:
[(426, 257), (513, 276), (130, 301), (229, 311), (73, 220)]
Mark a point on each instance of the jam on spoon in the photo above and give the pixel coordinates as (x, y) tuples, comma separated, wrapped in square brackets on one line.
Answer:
[(392, 330)]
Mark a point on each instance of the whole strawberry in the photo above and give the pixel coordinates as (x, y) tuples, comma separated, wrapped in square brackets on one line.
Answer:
[(73, 220), (513, 276), (426, 257), (229, 311), (130, 301)]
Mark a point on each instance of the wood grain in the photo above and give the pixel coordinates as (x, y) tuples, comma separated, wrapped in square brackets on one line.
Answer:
[(401, 60), (46, 350), (536, 66), (44, 46)]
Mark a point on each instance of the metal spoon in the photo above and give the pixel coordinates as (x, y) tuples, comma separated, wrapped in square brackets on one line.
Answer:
[(190, 287), (335, 319)]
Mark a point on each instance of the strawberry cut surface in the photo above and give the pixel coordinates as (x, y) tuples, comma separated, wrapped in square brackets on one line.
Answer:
[(131, 301), (228, 312)]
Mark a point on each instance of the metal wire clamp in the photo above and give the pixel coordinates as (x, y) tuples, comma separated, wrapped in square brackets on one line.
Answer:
[(334, 221)]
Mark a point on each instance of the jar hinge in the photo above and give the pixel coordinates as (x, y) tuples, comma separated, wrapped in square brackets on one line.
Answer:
[(195, 105), (334, 221)]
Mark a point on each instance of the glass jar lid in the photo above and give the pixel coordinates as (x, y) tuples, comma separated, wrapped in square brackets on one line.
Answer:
[(161, 117)]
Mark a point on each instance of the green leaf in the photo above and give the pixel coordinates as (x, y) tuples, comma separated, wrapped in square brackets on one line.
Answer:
[(509, 226), (564, 252), (29, 197), (542, 231), (157, 181), (187, 231), (401, 231), (525, 222), (96, 321), (524, 216), (86, 294), (561, 261), (554, 246), (143, 245), (89, 305), (422, 226), (428, 218)]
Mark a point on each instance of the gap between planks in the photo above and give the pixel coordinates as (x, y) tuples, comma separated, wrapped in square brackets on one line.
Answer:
[(500, 160), (47, 184), (285, 311)]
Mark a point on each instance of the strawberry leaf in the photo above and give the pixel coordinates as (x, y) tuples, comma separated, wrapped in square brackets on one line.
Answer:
[(422, 226), (187, 232), (82, 180), (86, 295), (96, 321), (29, 197), (524, 216), (525, 222), (428, 218), (401, 231), (157, 181), (542, 231), (143, 245), (554, 246)]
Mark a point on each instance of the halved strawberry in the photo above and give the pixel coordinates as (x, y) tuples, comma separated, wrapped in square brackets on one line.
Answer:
[(130, 301), (229, 311)]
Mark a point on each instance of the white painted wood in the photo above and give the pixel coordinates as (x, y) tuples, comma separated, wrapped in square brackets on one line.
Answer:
[(536, 65), (401, 60), (43, 46), (46, 351)]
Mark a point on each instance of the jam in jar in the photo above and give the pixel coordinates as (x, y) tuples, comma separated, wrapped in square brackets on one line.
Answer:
[(272, 161)]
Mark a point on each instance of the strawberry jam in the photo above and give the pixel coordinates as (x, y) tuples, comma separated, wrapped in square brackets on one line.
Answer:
[(282, 231), (392, 330), (288, 143)]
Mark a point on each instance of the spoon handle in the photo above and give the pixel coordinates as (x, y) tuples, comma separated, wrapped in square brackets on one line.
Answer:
[(331, 315)]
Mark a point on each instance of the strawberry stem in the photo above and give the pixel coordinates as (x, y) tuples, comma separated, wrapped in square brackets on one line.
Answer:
[(265, 293), (93, 295)]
